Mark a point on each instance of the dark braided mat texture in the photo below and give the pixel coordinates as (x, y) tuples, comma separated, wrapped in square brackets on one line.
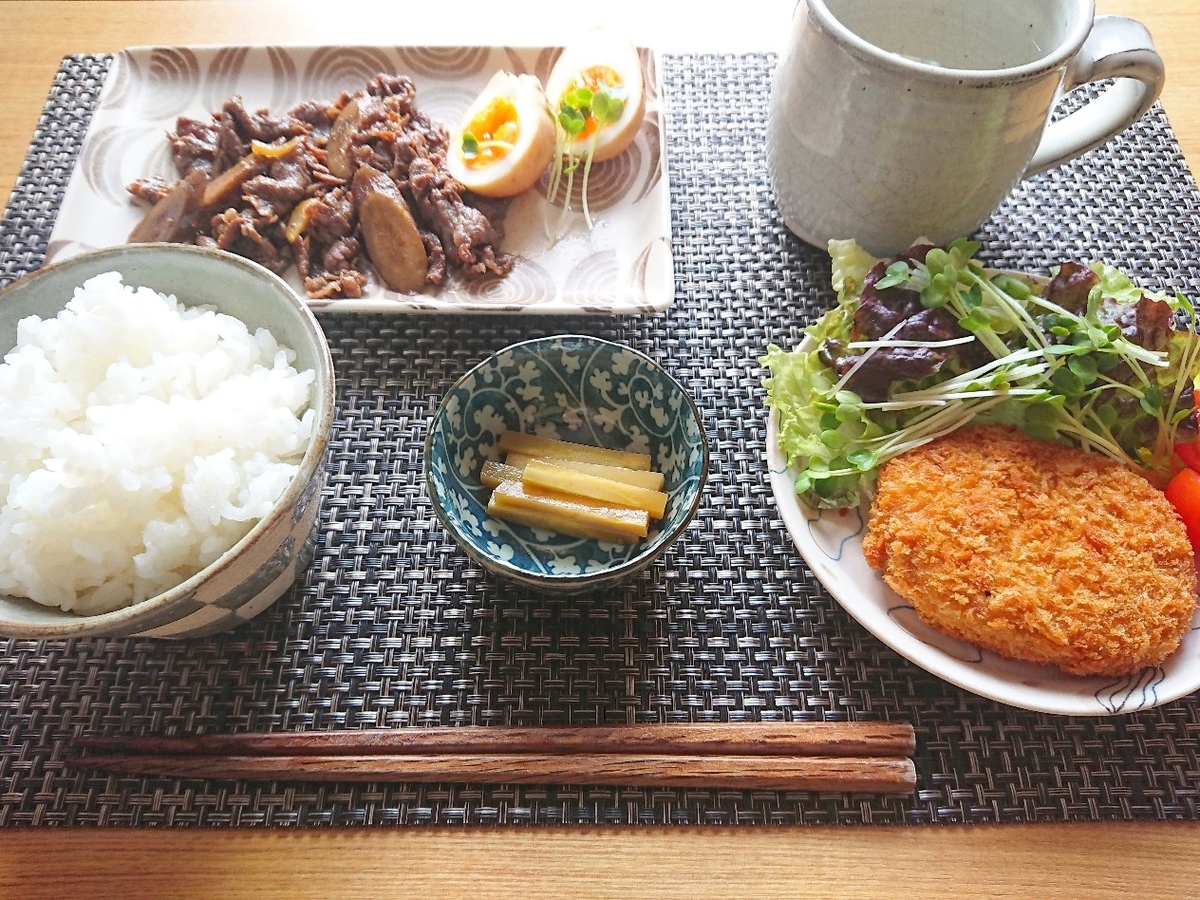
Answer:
[(392, 626)]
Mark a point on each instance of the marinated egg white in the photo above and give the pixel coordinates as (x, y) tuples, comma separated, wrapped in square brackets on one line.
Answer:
[(507, 138), (602, 60)]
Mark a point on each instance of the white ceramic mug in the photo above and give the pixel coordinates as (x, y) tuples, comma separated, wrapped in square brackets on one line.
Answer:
[(892, 120)]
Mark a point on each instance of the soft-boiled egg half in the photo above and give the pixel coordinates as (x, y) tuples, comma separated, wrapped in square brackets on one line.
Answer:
[(507, 137), (602, 60)]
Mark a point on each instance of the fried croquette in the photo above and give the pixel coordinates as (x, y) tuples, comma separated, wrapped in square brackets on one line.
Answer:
[(1034, 550)]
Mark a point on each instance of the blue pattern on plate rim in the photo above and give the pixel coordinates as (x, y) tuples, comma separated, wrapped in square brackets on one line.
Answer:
[(574, 388), (1132, 692), (832, 534)]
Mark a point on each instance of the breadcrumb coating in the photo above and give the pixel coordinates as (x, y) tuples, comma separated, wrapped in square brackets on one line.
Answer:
[(1035, 551)]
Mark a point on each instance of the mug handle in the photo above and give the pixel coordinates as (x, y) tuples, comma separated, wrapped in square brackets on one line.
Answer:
[(1119, 48)]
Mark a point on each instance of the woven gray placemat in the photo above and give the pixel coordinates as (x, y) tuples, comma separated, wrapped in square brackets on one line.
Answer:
[(393, 626)]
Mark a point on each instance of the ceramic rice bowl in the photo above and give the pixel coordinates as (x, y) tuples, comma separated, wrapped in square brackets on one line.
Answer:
[(258, 569)]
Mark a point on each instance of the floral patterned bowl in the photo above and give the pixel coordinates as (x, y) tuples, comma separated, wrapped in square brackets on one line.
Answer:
[(573, 388)]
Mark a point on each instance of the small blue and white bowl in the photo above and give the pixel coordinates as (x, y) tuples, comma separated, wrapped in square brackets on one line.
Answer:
[(573, 388)]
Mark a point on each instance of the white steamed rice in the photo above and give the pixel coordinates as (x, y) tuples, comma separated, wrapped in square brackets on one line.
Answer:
[(139, 440)]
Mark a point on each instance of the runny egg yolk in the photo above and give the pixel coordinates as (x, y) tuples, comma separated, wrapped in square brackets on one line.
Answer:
[(492, 133)]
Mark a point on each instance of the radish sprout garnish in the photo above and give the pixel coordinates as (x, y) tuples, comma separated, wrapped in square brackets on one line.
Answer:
[(582, 112), (930, 341)]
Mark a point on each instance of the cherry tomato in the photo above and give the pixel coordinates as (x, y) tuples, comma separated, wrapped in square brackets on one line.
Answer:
[(1184, 493), (1190, 454)]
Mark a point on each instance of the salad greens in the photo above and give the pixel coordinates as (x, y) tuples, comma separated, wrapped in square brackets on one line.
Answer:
[(925, 343)]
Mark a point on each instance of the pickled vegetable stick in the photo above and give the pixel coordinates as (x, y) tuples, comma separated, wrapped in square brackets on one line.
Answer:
[(650, 480), (519, 442), (511, 502), (547, 476), (493, 473)]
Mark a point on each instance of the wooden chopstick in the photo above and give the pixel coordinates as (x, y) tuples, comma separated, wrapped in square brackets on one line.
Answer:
[(811, 756), (780, 773), (701, 738)]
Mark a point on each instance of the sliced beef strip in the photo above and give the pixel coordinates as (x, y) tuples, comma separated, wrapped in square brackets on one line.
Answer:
[(465, 233)]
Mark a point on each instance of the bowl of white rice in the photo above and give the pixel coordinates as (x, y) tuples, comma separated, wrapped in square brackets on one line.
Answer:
[(164, 417)]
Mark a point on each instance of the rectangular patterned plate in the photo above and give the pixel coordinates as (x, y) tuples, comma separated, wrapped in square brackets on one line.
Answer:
[(622, 265)]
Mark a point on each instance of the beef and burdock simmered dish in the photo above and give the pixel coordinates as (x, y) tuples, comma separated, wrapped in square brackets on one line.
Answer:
[(327, 187)]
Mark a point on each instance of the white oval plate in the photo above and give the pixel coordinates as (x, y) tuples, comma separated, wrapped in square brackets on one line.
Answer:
[(831, 543)]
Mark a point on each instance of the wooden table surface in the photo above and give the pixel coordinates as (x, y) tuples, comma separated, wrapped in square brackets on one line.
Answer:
[(1096, 860)]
